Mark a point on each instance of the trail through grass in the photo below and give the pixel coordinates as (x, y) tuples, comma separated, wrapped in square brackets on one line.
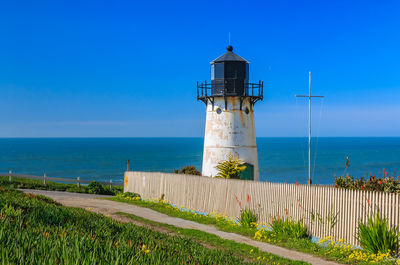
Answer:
[(36, 230), (240, 249)]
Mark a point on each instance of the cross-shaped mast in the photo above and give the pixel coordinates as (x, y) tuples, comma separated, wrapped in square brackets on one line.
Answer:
[(309, 96)]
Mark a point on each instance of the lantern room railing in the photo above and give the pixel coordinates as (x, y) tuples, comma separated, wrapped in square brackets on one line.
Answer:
[(229, 88)]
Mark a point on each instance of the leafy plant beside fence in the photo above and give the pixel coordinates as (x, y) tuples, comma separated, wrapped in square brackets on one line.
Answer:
[(231, 168), (188, 170), (248, 218), (376, 236), (386, 183)]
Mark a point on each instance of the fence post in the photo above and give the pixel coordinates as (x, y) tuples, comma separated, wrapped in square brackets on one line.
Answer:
[(127, 165), (110, 184), (79, 183), (44, 178), (10, 177)]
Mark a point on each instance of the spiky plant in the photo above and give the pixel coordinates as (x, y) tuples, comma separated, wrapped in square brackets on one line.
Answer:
[(248, 218), (231, 168), (376, 236)]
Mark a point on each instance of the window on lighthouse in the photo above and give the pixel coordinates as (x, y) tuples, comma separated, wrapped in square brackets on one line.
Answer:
[(219, 71)]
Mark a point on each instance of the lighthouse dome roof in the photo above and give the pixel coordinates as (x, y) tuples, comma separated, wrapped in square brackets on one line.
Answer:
[(229, 56)]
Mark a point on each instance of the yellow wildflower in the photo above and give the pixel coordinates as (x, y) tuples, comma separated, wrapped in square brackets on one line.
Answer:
[(145, 249)]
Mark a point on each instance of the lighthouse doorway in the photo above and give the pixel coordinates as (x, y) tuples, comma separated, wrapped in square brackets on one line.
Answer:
[(248, 173)]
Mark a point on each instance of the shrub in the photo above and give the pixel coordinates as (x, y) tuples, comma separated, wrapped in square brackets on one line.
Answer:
[(386, 183), (248, 218), (96, 188), (231, 168), (289, 228), (131, 195), (376, 236), (188, 170)]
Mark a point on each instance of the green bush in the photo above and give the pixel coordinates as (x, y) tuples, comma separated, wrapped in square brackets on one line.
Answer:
[(386, 183), (289, 228), (376, 236), (248, 218), (231, 168), (96, 188), (131, 195), (188, 170)]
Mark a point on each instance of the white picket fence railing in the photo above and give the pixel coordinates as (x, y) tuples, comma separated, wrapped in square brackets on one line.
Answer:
[(325, 210)]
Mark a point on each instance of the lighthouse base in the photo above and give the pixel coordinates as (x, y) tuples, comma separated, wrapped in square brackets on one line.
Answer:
[(228, 131)]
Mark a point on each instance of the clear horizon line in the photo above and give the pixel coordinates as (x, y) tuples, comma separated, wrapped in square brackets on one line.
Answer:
[(122, 137)]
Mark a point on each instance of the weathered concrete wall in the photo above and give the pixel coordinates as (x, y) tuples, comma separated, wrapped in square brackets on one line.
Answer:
[(228, 131), (326, 211)]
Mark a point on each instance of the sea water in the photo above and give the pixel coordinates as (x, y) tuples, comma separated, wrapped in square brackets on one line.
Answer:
[(280, 159)]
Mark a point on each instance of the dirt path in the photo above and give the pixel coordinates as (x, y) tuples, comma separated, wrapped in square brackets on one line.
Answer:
[(92, 203)]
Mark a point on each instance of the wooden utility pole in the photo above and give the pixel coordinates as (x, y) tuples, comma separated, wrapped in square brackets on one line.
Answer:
[(309, 96)]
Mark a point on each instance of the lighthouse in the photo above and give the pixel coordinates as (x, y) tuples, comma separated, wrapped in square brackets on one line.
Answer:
[(230, 128)]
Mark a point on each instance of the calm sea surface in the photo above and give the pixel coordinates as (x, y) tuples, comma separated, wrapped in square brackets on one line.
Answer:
[(280, 159)]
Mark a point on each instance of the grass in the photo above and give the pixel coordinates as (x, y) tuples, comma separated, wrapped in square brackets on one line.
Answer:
[(24, 183), (217, 220), (326, 249), (242, 250), (36, 230)]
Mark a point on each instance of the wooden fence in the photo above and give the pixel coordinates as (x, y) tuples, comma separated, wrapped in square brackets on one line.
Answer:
[(45, 178), (325, 210)]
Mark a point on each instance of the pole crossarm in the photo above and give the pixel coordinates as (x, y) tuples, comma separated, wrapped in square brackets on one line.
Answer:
[(305, 96)]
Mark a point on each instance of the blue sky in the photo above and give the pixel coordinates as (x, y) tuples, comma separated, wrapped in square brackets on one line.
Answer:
[(128, 68)]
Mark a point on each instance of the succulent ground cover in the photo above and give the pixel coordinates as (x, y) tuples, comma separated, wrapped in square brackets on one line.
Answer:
[(24, 183), (37, 230), (288, 234)]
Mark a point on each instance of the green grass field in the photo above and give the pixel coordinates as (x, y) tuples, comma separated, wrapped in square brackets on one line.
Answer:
[(24, 183), (36, 230)]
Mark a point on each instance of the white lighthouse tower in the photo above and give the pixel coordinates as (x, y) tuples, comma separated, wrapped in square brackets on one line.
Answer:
[(230, 99)]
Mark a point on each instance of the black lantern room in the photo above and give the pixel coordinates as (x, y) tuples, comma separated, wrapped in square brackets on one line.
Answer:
[(229, 78)]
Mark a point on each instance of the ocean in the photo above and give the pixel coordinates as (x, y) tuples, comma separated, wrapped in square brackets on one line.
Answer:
[(280, 159)]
